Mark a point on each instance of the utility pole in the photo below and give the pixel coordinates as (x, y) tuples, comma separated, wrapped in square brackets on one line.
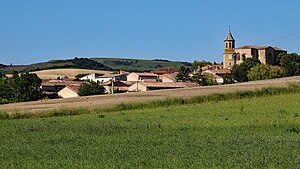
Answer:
[(112, 85)]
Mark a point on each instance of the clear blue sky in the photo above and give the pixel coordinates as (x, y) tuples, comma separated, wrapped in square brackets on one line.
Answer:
[(186, 30)]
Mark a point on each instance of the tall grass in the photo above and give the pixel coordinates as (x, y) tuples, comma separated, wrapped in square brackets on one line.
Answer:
[(269, 91)]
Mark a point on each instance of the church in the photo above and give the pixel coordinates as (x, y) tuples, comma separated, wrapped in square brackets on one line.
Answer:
[(233, 55)]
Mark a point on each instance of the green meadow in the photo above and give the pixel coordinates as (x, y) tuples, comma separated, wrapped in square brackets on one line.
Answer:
[(258, 132)]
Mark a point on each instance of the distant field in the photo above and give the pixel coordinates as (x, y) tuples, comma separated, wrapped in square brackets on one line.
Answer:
[(70, 73), (247, 133)]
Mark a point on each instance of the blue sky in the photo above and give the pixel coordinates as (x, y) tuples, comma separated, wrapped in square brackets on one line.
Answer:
[(185, 30)]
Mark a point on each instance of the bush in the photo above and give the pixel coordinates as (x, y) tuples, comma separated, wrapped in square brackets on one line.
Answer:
[(91, 88), (262, 71)]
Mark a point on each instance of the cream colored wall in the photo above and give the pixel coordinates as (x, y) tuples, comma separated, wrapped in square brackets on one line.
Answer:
[(228, 60), (67, 93), (137, 87), (132, 77), (166, 79), (247, 53), (262, 56)]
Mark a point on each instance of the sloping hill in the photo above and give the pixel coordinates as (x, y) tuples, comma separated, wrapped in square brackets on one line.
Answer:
[(139, 65), (107, 64), (82, 63)]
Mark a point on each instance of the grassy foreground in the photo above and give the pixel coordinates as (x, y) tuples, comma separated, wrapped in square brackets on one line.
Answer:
[(244, 133)]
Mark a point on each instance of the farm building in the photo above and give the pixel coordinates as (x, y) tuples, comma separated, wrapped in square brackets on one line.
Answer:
[(171, 77), (119, 86), (146, 86), (168, 70), (69, 91), (150, 77), (104, 78), (54, 86)]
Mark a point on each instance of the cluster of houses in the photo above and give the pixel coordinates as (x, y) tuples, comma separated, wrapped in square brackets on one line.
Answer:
[(165, 78)]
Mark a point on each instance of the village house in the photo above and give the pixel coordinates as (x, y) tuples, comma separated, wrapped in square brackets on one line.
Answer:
[(118, 86), (171, 77), (54, 86), (147, 86), (102, 78), (167, 70), (143, 77), (71, 90), (233, 55)]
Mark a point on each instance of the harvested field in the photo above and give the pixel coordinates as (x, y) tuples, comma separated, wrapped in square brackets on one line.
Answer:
[(110, 100), (70, 73)]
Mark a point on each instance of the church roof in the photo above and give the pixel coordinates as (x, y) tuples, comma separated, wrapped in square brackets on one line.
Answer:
[(259, 47), (229, 37), (253, 47)]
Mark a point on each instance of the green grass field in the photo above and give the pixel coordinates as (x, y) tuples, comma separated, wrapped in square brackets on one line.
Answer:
[(244, 133)]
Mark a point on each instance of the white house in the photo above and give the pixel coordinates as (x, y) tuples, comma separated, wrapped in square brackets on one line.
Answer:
[(101, 78), (143, 77), (146, 86), (69, 91)]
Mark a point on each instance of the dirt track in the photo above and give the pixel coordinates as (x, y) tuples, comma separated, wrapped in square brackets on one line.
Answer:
[(109, 100)]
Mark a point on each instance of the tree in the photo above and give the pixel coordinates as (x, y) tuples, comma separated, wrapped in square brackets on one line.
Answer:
[(228, 79), (239, 72), (6, 92), (200, 64), (26, 87), (290, 62), (183, 74), (20, 88), (261, 72), (91, 88), (234, 56)]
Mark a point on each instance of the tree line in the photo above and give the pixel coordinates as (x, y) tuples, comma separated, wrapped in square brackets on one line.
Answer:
[(249, 70)]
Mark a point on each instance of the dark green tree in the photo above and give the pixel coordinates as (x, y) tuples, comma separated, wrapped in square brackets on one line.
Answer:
[(290, 62), (26, 87), (183, 74), (91, 88), (262, 71), (6, 92), (240, 72), (200, 64), (228, 79)]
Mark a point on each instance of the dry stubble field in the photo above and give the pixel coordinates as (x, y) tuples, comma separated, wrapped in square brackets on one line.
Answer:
[(111, 100)]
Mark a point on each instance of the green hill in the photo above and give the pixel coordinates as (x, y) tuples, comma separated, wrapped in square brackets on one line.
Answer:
[(95, 63), (139, 65)]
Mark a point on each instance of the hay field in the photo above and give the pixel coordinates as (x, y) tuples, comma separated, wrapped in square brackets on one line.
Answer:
[(111, 100), (70, 73)]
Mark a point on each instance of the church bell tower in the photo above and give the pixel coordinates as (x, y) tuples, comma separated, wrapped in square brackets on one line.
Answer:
[(229, 49)]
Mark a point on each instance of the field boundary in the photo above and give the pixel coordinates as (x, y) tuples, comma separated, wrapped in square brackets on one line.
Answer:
[(216, 97)]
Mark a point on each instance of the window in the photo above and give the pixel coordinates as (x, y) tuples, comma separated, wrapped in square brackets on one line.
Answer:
[(229, 45), (226, 45), (238, 56)]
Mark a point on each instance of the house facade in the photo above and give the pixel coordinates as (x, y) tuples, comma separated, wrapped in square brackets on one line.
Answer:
[(144, 77), (233, 55)]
